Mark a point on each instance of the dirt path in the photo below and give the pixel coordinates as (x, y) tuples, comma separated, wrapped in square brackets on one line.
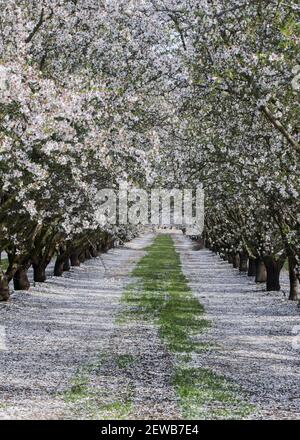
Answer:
[(251, 337), (57, 327)]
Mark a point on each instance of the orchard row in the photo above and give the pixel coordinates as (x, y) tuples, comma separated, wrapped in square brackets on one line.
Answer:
[(164, 93)]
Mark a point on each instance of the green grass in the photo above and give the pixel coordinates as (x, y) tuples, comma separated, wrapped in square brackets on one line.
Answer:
[(118, 410), (161, 294), (92, 399), (124, 360), (79, 389), (206, 395)]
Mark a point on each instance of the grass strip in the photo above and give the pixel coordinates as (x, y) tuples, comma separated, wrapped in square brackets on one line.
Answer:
[(162, 295)]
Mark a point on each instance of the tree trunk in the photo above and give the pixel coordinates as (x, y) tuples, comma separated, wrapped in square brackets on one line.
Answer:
[(236, 261), (13, 262), (214, 248), (87, 254), (62, 264), (39, 272), (98, 248), (201, 243), (273, 273), (243, 266), (81, 257), (4, 290), (260, 271), (208, 243), (59, 266), (230, 259), (66, 264), (104, 244), (294, 283), (93, 252), (74, 259), (251, 267), (20, 278)]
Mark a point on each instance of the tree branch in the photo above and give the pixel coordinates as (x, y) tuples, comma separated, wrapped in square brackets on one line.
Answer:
[(278, 125), (36, 27)]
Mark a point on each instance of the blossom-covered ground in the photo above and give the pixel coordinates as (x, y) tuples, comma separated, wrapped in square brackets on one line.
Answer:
[(251, 338), (69, 355), (55, 328)]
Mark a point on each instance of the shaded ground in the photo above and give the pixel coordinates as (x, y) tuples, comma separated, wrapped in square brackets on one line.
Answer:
[(251, 339)]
